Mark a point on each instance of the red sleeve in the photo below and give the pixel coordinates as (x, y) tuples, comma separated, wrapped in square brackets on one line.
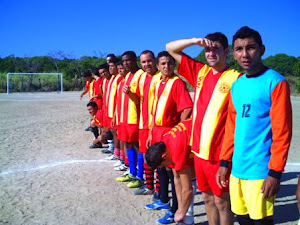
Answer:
[(227, 147), (281, 123), (181, 96), (189, 69)]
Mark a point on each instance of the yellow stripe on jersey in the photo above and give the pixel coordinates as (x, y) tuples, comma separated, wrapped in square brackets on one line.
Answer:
[(214, 111), (91, 89), (162, 101), (154, 81), (111, 101)]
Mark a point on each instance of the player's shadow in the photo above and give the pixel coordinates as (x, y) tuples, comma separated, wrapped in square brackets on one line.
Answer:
[(286, 204)]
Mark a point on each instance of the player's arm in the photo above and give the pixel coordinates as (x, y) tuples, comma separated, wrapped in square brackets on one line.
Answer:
[(175, 47), (184, 192), (281, 125), (228, 145), (83, 93), (132, 96), (186, 113)]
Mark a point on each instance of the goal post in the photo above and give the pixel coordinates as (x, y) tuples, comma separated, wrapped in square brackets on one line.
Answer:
[(59, 79)]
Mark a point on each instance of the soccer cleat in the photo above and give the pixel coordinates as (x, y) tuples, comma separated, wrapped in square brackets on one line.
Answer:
[(143, 190), (121, 168), (98, 145), (118, 163), (111, 157), (167, 218), (127, 171), (106, 151), (126, 178), (155, 196), (135, 184), (158, 205), (88, 129)]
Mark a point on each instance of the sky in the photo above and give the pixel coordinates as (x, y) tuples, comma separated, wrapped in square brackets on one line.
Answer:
[(96, 28)]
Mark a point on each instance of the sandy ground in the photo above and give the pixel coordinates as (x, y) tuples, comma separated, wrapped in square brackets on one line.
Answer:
[(48, 175)]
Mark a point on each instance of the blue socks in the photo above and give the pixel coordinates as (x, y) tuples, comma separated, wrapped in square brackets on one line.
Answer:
[(131, 155), (140, 172)]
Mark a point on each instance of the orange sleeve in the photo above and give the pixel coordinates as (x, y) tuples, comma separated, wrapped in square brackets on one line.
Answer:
[(228, 143), (281, 123)]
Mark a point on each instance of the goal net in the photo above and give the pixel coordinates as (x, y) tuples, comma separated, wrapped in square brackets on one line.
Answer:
[(34, 82)]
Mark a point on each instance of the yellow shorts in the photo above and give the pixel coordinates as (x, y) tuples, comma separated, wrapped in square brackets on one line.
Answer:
[(246, 198)]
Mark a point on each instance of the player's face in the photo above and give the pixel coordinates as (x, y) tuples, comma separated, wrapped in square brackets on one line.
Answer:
[(104, 73), (92, 110), (166, 66), (248, 54), (148, 63), (216, 55), (121, 70), (108, 60), (112, 68), (128, 62)]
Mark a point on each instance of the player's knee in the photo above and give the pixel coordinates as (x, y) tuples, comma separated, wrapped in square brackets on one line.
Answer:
[(222, 203), (207, 198)]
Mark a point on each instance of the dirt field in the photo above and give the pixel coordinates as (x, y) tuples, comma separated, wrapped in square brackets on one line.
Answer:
[(48, 175)]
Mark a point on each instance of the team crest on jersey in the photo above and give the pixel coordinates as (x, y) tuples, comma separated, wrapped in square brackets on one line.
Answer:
[(165, 93), (224, 87), (134, 84), (200, 81)]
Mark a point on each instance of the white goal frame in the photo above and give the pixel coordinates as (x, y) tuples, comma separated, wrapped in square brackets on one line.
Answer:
[(57, 74)]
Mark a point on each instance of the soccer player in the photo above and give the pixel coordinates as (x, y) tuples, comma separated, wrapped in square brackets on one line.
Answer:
[(129, 111), (107, 80), (174, 152), (212, 84), (120, 164), (258, 132), (96, 116), (110, 57), (88, 88), (172, 103), (111, 105), (145, 92)]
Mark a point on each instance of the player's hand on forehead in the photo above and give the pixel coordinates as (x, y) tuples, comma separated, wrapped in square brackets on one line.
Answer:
[(204, 42)]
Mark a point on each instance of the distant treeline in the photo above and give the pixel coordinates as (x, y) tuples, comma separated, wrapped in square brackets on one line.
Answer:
[(72, 68)]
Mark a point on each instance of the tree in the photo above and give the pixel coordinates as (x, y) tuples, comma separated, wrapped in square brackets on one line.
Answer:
[(282, 63)]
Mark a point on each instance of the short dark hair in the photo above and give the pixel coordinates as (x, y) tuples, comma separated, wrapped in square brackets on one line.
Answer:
[(220, 37), (154, 155), (246, 32), (119, 63), (87, 73), (95, 71), (92, 103), (111, 55), (164, 54), (148, 52), (130, 53), (103, 66)]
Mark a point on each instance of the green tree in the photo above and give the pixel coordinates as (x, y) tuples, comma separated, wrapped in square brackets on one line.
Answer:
[(282, 63)]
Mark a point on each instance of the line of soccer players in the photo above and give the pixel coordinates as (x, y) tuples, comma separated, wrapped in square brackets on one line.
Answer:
[(238, 126)]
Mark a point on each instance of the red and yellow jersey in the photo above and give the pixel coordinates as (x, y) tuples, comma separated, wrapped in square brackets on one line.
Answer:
[(106, 92), (129, 112), (177, 141), (170, 99), (146, 91), (98, 118), (91, 88), (210, 105), (112, 97), (97, 91), (119, 101)]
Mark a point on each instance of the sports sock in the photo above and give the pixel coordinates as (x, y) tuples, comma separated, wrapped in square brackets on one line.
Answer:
[(110, 145), (117, 152), (149, 176), (126, 161), (140, 172), (122, 156), (95, 131), (244, 220), (131, 154), (164, 184), (174, 206), (157, 183)]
